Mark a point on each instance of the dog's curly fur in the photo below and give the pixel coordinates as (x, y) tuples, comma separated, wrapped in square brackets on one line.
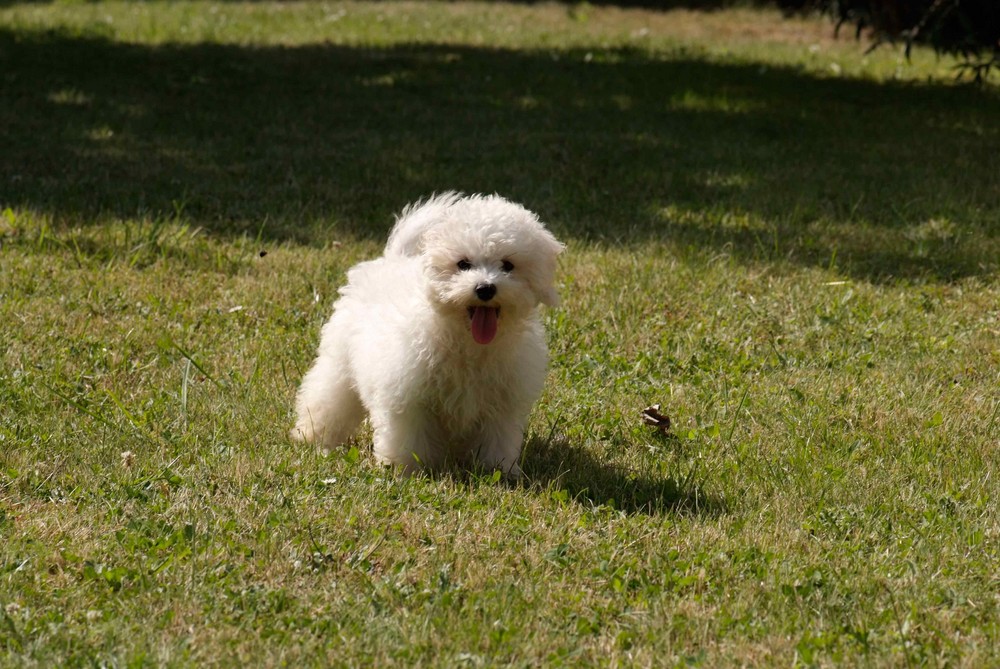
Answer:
[(439, 341)]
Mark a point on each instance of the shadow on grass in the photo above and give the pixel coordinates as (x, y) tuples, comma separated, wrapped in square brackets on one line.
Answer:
[(700, 5), (592, 481), (316, 142)]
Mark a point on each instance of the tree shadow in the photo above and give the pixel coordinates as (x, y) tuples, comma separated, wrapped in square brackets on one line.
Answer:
[(594, 482), (697, 5), (315, 142)]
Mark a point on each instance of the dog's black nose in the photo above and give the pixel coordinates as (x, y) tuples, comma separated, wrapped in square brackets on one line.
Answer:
[(486, 291)]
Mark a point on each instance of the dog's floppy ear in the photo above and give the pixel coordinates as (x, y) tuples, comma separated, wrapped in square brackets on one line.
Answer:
[(544, 280), (408, 236)]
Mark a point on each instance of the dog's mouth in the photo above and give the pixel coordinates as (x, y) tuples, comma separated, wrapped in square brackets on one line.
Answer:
[(484, 321)]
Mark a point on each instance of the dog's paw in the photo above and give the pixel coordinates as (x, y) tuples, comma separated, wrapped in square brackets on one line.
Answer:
[(300, 434), (515, 473)]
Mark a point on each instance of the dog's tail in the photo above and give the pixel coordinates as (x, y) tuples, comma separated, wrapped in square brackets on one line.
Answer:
[(415, 220)]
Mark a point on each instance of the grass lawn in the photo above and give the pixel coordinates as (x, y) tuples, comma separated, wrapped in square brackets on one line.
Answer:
[(791, 246)]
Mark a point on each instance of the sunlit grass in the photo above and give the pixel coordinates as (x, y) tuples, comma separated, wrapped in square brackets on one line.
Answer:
[(798, 262)]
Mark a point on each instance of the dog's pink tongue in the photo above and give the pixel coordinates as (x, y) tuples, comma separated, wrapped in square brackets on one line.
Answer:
[(484, 324)]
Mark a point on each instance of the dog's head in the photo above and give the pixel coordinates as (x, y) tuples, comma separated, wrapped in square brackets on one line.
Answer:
[(488, 261)]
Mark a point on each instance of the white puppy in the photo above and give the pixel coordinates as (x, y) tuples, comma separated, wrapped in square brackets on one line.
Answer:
[(439, 341)]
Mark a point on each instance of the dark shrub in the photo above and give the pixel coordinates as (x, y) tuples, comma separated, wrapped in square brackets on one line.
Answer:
[(968, 28)]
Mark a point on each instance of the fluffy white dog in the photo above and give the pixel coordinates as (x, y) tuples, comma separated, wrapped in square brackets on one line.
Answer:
[(439, 341)]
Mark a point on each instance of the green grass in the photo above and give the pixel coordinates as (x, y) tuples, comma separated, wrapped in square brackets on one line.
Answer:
[(791, 246)]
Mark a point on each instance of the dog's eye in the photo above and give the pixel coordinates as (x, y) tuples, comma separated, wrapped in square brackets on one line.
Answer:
[(464, 264), (507, 266)]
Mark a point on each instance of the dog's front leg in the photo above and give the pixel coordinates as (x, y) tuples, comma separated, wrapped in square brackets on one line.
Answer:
[(403, 439), (499, 447)]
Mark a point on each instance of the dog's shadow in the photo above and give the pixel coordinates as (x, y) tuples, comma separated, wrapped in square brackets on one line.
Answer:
[(556, 464)]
